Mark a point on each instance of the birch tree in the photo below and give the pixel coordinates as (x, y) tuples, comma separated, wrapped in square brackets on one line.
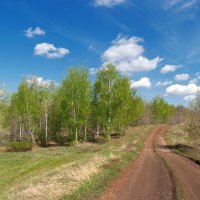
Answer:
[(46, 91), (4, 104), (75, 101), (103, 97), (122, 104), (4, 107)]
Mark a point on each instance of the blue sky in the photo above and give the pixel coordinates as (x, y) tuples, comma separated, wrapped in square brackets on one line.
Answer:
[(156, 43)]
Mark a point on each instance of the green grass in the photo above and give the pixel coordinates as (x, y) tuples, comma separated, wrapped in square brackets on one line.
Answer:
[(94, 187), (74, 172)]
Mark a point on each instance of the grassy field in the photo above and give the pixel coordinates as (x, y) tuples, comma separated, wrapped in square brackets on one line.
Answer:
[(68, 172), (179, 141)]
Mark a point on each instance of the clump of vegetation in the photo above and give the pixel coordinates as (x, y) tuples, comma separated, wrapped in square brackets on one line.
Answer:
[(16, 146), (180, 141), (184, 138), (192, 125), (179, 115), (177, 135), (161, 110)]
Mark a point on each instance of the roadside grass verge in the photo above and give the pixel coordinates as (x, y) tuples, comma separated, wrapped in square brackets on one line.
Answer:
[(180, 142), (68, 172), (130, 146)]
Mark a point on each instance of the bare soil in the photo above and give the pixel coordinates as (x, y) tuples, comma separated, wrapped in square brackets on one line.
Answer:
[(156, 173)]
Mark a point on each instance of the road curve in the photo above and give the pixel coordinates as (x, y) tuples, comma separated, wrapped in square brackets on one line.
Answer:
[(150, 178)]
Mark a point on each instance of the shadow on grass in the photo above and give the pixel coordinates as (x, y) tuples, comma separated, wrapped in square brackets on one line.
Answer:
[(186, 151)]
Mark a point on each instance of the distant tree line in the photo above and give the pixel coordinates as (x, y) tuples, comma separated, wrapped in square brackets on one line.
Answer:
[(76, 110)]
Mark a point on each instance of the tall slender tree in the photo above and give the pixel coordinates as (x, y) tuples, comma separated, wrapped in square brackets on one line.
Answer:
[(103, 97), (4, 105), (122, 104), (75, 101)]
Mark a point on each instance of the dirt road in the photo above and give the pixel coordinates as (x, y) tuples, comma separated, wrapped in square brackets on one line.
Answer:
[(157, 174)]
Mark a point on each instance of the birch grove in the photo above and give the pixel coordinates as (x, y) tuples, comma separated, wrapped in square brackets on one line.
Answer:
[(78, 109)]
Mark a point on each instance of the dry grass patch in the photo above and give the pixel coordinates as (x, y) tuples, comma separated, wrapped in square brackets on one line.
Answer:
[(63, 180), (179, 141), (60, 172), (177, 134), (2, 149)]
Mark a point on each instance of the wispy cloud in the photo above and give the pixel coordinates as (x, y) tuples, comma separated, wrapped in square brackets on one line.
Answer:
[(179, 5), (171, 3), (164, 83), (187, 5), (108, 3)]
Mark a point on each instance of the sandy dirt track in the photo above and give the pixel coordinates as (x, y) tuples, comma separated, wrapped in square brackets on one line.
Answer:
[(155, 174)]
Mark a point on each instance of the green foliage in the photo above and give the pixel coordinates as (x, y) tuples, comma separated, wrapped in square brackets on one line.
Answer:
[(123, 104), (104, 98), (75, 100), (60, 138), (114, 104), (42, 138), (30, 109), (137, 109), (75, 110), (16, 146), (55, 115), (4, 106), (161, 110)]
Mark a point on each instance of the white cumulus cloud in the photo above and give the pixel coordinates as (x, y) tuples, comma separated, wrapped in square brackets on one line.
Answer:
[(108, 3), (143, 82), (169, 68), (50, 51), (182, 77), (182, 90), (127, 55), (30, 32)]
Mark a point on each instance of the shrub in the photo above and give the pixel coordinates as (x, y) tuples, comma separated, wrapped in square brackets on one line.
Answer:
[(16, 146), (192, 125)]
